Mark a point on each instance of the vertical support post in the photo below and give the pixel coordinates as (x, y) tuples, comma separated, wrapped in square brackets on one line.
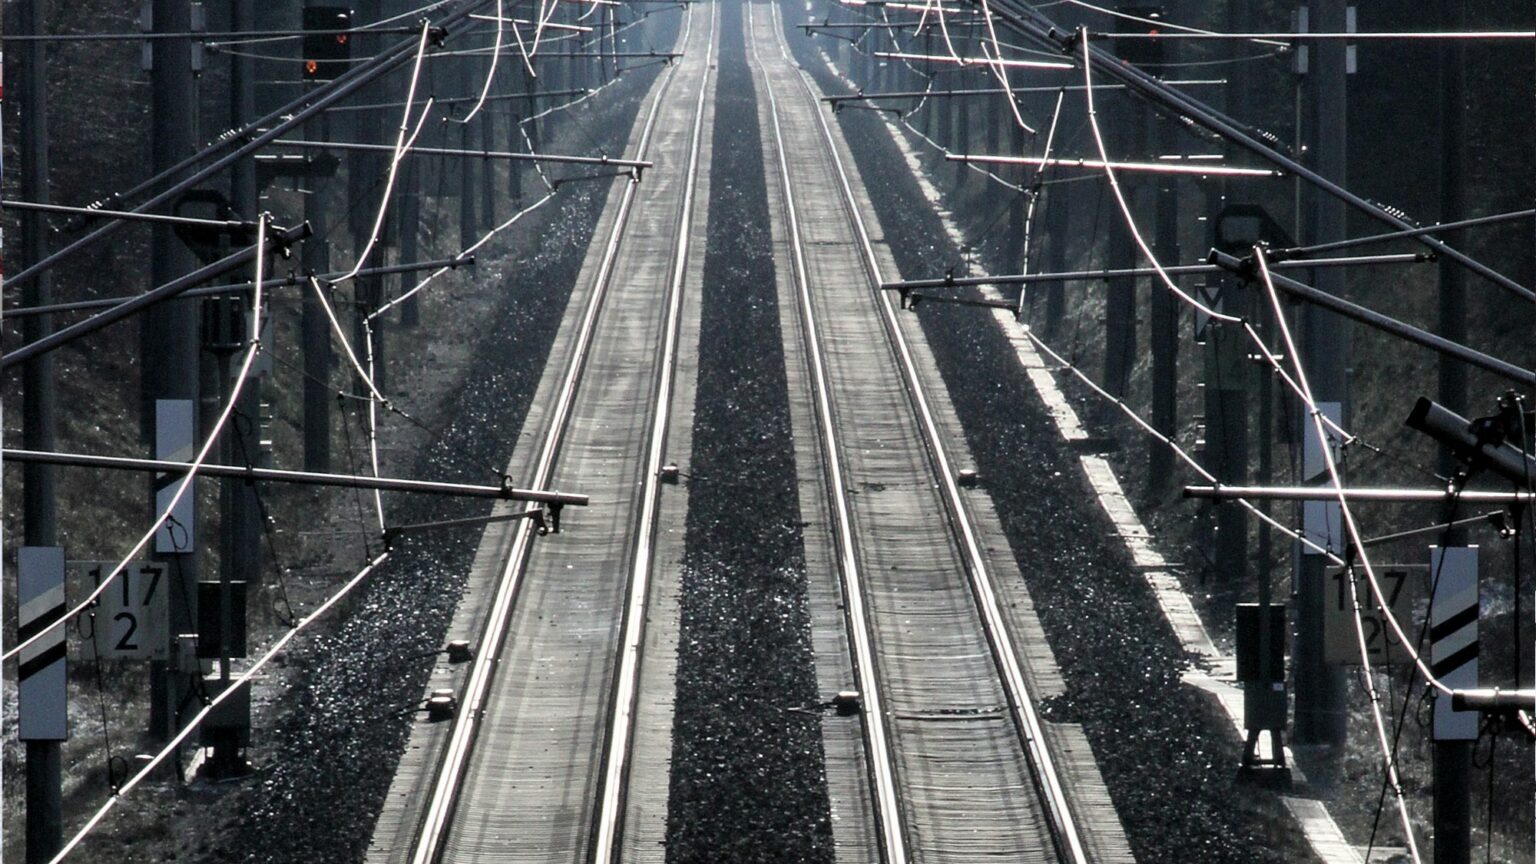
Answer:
[(1325, 350), (244, 517), (38, 425), (516, 110), (42, 700), (1453, 758), (1057, 227), (1163, 312), (531, 129), (1119, 314), (962, 142), (37, 417), (410, 216), (515, 144), (1454, 641), (997, 117), (1120, 303), (226, 744), (1453, 157), (365, 174), (1226, 436), (487, 188), (1260, 314), (169, 331), (1163, 331), (468, 225), (315, 332)]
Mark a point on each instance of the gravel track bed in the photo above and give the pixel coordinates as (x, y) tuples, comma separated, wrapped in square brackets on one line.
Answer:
[(329, 757), (1170, 768), (748, 780)]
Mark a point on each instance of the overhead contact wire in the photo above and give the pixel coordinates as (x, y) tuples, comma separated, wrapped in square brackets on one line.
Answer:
[(1353, 530), (185, 486)]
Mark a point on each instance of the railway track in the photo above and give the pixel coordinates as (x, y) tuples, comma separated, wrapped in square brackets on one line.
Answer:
[(958, 760), (537, 762), (535, 766)]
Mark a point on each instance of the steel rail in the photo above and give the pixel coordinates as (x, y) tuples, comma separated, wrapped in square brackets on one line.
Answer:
[(610, 817), (882, 762), (466, 724), (1063, 825)]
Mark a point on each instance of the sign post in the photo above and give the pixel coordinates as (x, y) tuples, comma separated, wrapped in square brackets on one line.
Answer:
[(1453, 651), (41, 677)]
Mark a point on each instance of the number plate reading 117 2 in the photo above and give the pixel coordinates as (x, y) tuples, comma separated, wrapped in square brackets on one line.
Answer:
[(129, 619), (1402, 584)]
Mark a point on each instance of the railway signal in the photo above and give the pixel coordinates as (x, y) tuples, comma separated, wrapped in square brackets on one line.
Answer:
[(326, 51)]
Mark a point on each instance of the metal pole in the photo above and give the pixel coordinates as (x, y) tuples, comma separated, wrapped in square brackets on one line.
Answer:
[(515, 142), (241, 558), (1452, 785), (468, 226), (1265, 475), (1013, 243), (1058, 226), (1120, 309), (487, 189), (38, 426), (365, 172), (1163, 326), (407, 234), (1226, 400), (1120, 302), (962, 142), (1325, 344), (226, 741), (314, 328), (169, 331)]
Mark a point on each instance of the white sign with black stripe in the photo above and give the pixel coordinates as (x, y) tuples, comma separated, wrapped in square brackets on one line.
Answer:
[(175, 427), (41, 677), (1322, 522), (1453, 638)]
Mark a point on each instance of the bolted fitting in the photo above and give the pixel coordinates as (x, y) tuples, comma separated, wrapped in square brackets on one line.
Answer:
[(847, 703), (442, 705)]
